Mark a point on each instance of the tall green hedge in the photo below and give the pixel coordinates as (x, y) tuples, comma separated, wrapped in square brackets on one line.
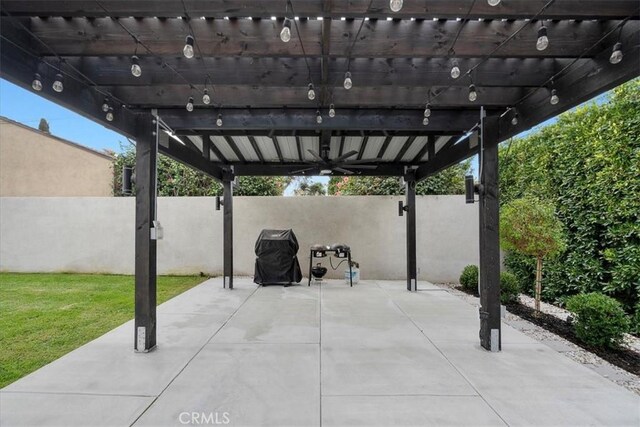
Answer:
[(588, 165)]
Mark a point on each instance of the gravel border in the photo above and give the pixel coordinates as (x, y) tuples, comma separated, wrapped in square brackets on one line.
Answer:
[(595, 363)]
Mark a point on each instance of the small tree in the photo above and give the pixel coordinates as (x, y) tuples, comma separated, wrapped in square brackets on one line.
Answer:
[(529, 226)]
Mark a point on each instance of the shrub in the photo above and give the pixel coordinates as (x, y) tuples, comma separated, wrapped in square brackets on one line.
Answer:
[(469, 278), (635, 321), (509, 287), (599, 320)]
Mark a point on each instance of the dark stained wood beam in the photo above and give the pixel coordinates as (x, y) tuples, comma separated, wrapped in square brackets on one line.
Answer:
[(259, 38), (216, 150), (304, 119), (405, 147), (383, 148), (283, 72), (256, 148), (442, 9), (188, 157), (234, 147), (579, 84), (276, 145), (257, 169), (431, 142), (19, 66), (175, 96), (299, 148), (363, 146), (445, 158)]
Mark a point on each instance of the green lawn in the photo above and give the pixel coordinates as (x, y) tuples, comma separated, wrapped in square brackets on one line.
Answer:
[(44, 316)]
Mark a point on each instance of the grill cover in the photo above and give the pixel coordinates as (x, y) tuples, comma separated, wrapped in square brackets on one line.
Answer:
[(276, 261)]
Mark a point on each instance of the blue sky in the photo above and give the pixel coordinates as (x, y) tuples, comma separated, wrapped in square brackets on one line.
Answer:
[(26, 107)]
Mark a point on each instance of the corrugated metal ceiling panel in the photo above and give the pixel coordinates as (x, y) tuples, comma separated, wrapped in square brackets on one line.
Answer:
[(415, 148), (245, 147), (289, 148), (373, 147), (265, 144), (309, 142), (394, 148), (225, 149), (441, 141)]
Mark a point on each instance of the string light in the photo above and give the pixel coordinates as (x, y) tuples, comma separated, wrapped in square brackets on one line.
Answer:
[(285, 34), (318, 117), (105, 105), (136, 70), (188, 47), (311, 93), (206, 99), (543, 40), (455, 69), (493, 2), (425, 121), (109, 115), (190, 104), (332, 111), (348, 83), (36, 84), (427, 110), (57, 85), (554, 97), (395, 5), (219, 120), (514, 119), (473, 95), (616, 55)]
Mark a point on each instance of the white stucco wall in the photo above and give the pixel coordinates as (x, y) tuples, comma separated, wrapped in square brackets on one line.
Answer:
[(97, 234)]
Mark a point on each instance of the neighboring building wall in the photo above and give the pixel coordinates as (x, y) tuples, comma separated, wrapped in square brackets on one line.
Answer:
[(97, 234), (33, 163)]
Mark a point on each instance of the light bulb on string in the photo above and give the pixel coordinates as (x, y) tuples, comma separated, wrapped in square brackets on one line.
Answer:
[(543, 41), (105, 105), (219, 120), (455, 69), (190, 104), (425, 121), (493, 2), (348, 83), (514, 119), (206, 98), (58, 85), (616, 55), (311, 93), (285, 34), (554, 97), (136, 70), (36, 84), (109, 115), (332, 111), (188, 47), (473, 94), (318, 117), (395, 5), (427, 110)]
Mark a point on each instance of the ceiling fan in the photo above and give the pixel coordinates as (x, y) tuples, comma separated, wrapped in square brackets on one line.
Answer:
[(340, 164)]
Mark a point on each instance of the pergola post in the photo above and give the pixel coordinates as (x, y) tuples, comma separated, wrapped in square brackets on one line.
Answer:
[(227, 186), (489, 277), (410, 202), (145, 245)]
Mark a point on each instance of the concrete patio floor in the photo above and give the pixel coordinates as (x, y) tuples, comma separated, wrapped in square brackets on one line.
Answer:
[(373, 354)]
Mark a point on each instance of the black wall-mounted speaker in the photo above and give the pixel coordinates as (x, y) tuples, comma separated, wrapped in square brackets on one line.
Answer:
[(127, 180), (469, 189)]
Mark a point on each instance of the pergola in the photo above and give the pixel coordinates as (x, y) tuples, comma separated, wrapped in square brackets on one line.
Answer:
[(432, 84)]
